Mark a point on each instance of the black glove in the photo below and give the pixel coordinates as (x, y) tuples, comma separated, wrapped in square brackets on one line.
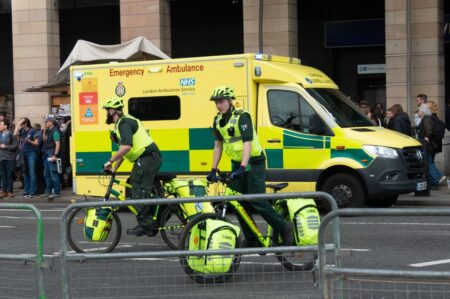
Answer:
[(212, 176), (236, 175)]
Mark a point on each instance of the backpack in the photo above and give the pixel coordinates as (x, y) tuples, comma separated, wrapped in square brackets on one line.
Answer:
[(306, 218), (97, 224), (438, 129), (190, 188), (212, 234)]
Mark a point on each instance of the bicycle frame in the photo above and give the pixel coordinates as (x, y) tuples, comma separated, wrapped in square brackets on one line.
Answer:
[(121, 196), (263, 240)]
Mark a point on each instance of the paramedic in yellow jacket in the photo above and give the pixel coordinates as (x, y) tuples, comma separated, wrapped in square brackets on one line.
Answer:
[(235, 135), (137, 146)]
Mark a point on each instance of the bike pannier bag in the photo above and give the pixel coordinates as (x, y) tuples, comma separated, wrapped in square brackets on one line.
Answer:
[(306, 219), (97, 224), (212, 234), (191, 188)]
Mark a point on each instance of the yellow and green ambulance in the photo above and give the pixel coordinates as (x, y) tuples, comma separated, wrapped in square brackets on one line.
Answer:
[(313, 136)]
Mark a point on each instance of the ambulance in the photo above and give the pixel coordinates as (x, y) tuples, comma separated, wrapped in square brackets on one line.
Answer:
[(313, 136)]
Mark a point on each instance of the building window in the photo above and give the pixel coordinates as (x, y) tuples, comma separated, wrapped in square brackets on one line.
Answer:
[(155, 108)]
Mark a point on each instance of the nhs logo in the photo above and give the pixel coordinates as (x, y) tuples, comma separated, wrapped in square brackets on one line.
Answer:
[(187, 81)]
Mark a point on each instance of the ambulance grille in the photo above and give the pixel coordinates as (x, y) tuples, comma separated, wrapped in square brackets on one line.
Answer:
[(413, 157)]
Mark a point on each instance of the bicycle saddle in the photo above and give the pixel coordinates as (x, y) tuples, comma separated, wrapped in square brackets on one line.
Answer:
[(277, 187)]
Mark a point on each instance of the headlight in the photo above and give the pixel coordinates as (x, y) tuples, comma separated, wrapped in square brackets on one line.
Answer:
[(381, 151)]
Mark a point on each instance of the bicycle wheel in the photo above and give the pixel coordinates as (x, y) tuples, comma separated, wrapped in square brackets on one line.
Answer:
[(293, 261), (79, 243), (171, 225), (184, 245)]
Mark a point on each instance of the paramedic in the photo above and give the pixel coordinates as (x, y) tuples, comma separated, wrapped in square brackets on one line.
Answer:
[(235, 135), (135, 145)]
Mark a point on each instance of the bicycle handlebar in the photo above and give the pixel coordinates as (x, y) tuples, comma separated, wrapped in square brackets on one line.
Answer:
[(222, 178)]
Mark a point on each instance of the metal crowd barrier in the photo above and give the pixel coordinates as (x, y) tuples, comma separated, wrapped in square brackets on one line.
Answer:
[(134, 263), (341, 282), (38, 257)]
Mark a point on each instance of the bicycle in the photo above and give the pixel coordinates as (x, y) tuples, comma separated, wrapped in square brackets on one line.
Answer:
[(305, 262), (170, 219)]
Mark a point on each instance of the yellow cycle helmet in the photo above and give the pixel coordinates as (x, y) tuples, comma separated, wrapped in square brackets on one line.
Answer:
[(114, 103), (223, 92)]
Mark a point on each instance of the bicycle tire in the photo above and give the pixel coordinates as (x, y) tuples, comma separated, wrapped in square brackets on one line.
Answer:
[(76, 239), (171, 225), (184, 245), (306, 260)]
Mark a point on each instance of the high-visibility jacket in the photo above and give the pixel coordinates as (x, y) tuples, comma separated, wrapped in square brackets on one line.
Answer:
[(233, 145), (141, 139)]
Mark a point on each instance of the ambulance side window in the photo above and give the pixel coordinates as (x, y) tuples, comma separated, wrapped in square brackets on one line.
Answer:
[(290, 110), (155, 108)]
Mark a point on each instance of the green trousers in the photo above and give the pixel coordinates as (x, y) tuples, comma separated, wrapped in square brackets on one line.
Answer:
[(142, 178), (254, 182)]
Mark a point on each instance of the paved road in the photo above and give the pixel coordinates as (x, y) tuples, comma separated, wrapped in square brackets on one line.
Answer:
[(368, 242)]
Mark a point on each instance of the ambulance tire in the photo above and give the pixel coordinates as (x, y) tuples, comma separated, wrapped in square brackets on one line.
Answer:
[(184, 245), (346, 189)]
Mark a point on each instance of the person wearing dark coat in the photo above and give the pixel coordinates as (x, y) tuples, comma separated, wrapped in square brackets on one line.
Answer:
[(400, 120), (426, 134)]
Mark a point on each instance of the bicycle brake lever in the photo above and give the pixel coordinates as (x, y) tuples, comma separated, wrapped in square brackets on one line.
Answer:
[(107, 171)]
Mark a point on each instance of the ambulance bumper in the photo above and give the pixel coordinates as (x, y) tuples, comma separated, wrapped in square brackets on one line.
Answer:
[(390, 177)]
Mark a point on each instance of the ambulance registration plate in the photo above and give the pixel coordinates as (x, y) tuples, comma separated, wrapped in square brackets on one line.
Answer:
[(421, 186)]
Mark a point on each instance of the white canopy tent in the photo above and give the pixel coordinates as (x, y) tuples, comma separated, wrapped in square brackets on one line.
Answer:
[(86, 52)]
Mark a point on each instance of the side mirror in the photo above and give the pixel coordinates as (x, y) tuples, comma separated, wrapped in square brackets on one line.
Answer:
[(316, 125)]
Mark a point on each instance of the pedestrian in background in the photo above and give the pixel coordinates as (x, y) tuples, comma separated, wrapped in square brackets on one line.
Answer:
[(40, 161), (28, 147), (380, 113), (2, 118), (400, 120), (51, 148), (8, 148), (436, 139), (421, 101), (425, 134), (387, 119), (373, 115), (66, 132)]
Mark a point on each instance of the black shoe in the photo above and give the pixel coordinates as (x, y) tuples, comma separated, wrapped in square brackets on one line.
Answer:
[(141, 231), (288, 234), (137, 231)]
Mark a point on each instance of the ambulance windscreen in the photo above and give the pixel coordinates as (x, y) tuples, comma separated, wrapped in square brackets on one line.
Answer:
[(342, 110)]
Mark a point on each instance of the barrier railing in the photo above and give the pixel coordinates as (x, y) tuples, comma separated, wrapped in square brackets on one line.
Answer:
[(402, 289), (38, 257), (67, 257)]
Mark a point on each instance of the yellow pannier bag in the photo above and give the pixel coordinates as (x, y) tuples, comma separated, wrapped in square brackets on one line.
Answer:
[(190, 188), (306, 218), (97, 224), (212, 234)]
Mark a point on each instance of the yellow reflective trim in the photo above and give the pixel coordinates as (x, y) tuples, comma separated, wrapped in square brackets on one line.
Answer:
[(171, 139), (305, 158), (97, 141), (200, 160), (270, 133)]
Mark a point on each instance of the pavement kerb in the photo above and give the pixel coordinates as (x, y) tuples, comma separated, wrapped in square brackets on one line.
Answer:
[(437, 197)]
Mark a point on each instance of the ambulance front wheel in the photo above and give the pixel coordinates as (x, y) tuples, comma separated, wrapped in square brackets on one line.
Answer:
[(346, 189)]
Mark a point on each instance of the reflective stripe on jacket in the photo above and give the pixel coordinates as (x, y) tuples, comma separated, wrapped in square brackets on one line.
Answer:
[(233, 145)]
